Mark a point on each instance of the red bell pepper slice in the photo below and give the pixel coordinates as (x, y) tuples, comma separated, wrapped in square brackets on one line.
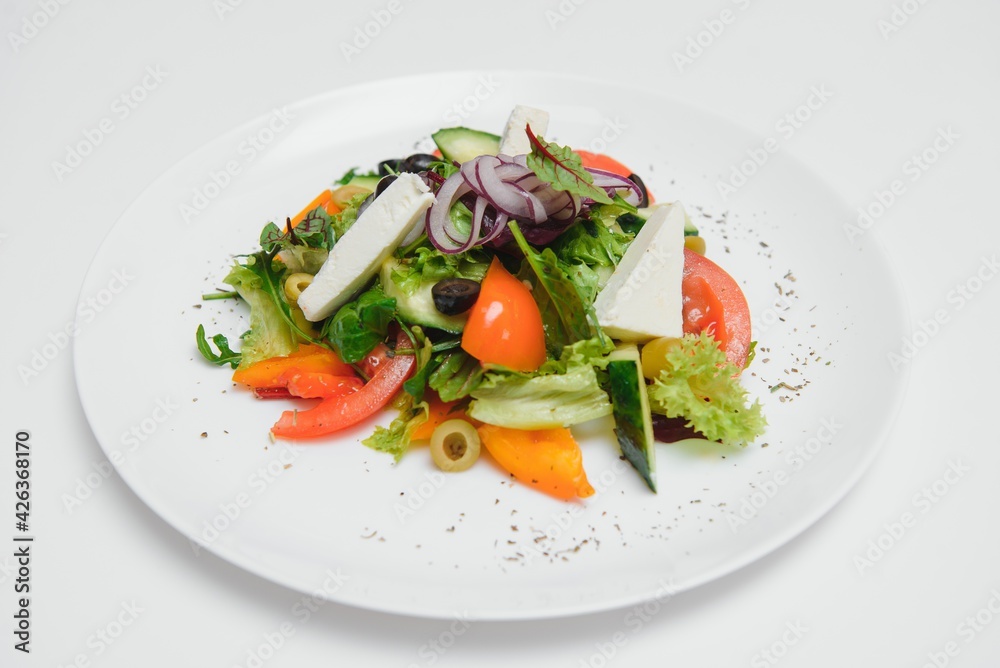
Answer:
[(339, 412)]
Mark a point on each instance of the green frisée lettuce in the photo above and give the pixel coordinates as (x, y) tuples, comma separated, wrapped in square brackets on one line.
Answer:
[(591, 243), (700, 385), (270, 334), (395, 439), (428, 265)]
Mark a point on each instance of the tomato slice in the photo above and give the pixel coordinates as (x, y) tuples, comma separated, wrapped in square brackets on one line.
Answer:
[(505, 325), (339, 412), (714, 302), (608, 164)]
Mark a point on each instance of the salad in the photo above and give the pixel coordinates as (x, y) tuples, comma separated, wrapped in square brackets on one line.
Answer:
[(495, 293)]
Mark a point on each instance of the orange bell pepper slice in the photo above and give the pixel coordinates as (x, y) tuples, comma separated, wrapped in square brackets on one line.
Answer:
[(273, 372), (505, 325), (324, 199), (438, 412), (547, 459), (312, 385)]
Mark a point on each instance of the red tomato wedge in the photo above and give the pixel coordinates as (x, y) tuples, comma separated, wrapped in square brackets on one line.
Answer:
[(505, 325), (608, 164), (339, 412), (714, 302)]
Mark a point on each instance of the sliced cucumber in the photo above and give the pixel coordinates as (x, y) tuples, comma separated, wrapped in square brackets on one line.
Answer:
[(365, 181), (419, 308), (633, 422), (633, 221), (463, 144)]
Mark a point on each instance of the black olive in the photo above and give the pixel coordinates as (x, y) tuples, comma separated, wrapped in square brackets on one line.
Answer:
[(390, 166), (365, 204), (418, 162), (644, 200), (384, 183), (455, 295)]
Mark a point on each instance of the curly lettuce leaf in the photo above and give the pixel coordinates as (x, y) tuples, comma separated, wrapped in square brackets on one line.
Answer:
[(591, 243), (395, 439), (341, 222), (270, 334), (700, 385), (429, 265), (561, 167)]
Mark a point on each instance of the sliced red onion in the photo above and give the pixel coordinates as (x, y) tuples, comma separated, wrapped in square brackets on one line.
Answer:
[(612, 182)]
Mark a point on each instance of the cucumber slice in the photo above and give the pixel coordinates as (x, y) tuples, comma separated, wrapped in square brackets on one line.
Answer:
[(364, 181), (419, 308), (633, 422), (463, 144), (634, 221)]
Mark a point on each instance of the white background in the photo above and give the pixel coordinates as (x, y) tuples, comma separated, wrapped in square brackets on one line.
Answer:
[(892, 92)]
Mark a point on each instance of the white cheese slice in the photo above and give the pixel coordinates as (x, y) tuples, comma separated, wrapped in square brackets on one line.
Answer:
[(357, 256), (515, 139), (642, 299)]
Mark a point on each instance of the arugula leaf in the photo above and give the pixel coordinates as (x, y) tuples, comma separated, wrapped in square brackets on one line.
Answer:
[(442, 168), (396, 438), (564, 314), (346, 178), (225, 356), (561, 167), (360, 325), (700, 385), (457, 375)]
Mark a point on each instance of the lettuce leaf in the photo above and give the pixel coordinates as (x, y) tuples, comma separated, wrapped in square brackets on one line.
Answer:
[(395, 439), (431, 265), (457, 375), (563, 392), (341, 222), (591, 243), (269, 335), (700, 385), (360, 325)]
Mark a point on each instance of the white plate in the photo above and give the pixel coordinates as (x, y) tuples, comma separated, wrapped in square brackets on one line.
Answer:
[(404, 538)]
